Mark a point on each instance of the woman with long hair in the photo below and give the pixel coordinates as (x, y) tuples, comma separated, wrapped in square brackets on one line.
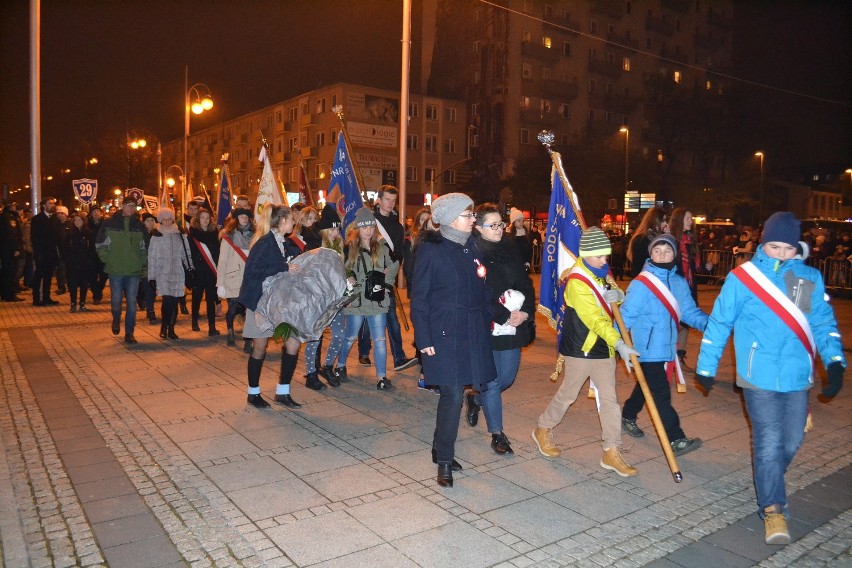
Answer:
[(365, 257), (687, 265), (81, 261), (233, 253), (168, 256), (204, 243), (270, 253), (328, 228), (652, 224)]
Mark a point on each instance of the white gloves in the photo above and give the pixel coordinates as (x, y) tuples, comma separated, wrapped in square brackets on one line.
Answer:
[(613, 296), (625, 352), (220, 290)]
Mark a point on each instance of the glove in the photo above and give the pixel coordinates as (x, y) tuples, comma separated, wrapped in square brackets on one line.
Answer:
[(625, 352), (835, 380), (613, 296), (220, 291), (705, 382)]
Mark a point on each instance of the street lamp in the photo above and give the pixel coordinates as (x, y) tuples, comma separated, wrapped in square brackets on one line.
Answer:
[(626, 132), (196, 99), (760, 205), (170, 182)]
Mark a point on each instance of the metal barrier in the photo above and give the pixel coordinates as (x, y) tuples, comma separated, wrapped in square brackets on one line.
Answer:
[(715, 265)]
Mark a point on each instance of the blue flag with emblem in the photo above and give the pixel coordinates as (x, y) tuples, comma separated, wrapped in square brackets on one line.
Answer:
[(561, 245), (224, 195), (343, 188)]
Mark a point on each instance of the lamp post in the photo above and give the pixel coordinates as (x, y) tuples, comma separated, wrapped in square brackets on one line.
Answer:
[(133, 144), (201, 102), (626, 132), (760, 205), (170, 183)]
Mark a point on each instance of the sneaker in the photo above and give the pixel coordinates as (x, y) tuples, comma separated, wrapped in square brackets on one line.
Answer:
[(421, 384), (500, 444), (404, 364), (775, 526), (632, 428), (612, 460), (543, 438), (685, 445), (384, 384), (342, 374)]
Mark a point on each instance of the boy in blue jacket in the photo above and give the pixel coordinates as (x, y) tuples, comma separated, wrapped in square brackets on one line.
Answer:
[(777, 308), (656, 302)]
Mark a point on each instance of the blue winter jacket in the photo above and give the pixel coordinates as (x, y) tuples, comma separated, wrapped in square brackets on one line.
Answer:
[(769, 356), (653, 330)]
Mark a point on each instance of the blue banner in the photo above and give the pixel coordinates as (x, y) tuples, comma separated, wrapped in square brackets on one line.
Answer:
[(343, 188), (561, 247), (224, 198)]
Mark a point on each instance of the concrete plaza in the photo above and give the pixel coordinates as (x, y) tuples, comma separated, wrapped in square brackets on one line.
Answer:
[(147, 455)]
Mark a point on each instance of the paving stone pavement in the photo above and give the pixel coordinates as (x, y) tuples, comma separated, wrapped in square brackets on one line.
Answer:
[(148, 455)]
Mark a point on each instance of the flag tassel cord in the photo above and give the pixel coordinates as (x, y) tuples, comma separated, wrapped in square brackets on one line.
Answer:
[(547, 138)]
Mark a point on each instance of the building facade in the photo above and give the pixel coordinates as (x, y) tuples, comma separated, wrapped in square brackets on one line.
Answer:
[(304, 130)]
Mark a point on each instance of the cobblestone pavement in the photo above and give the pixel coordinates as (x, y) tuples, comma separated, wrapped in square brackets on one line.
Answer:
[(147, 455)]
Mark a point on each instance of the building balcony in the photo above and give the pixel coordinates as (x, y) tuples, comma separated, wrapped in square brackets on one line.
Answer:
[(623, 41), (613, 103), (607, 68), (310, 153), (720, 20), (539, 51), (611, 8), (559, 89), (707, 42), (306, 120), (290, 125), (681, 6), (561, 24), (659, 25)]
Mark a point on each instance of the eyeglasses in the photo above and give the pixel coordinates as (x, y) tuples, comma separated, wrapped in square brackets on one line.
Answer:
[(468, 215), (495, 226)]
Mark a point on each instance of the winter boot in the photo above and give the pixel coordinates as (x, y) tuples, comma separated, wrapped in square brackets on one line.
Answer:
[(312, 382), (342, 375), (152, 317), (327, 372), (232, 338), (171, 328)]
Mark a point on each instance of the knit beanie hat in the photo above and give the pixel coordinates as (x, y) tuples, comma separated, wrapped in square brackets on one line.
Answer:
[(235, 213), (329, 218), (781, 227), (665, 239), (61, 209), (365, 218), (594, 242), (446, 208), (515, 214), (165, 213)]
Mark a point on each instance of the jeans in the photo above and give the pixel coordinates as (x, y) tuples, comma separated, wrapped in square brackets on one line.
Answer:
[(377, 330), (491, 399), (120, 286), (394, 333), (778, 428), (447, 422), (658, 384)]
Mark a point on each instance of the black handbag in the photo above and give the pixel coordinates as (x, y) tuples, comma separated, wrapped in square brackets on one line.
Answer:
[(374, 283), (188, 270)]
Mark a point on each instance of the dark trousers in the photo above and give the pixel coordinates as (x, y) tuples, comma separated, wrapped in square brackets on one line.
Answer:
[(8, 277), (658, 384), (447, 422), (209, 293), (41, 279), (98, 285), (79, 281)]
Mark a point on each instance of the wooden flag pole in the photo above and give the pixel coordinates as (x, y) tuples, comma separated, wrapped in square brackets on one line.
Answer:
[(546, 138), (338, 110)]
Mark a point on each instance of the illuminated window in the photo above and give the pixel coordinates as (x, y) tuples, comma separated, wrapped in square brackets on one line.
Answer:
[(709, 85), (677, 77), (625, 64), (547, 41), (525, 103)]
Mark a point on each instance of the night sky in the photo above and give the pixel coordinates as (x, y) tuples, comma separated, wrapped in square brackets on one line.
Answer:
[(111, 65)]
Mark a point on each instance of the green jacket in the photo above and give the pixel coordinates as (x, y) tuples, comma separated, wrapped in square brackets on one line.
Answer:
[(120, 245)]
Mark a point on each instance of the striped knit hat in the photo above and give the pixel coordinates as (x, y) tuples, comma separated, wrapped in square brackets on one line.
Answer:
[(594, 242)]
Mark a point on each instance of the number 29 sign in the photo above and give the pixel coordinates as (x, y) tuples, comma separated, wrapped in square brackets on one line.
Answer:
[(86, 190)]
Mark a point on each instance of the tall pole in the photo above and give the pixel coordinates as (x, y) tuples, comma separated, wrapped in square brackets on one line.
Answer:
[(159, 172), (403, 103), (35, 103), (185, 141), (760, 205), (626, 132)]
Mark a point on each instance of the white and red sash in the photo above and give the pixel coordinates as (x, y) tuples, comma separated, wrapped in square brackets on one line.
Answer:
[(237, 249), (774, 298), (578, 273), (665, 296), (205, 254)]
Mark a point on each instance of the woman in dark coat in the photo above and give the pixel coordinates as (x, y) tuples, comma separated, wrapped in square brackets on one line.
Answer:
[(204, 243), (506, 271), (451, 311), (81, 261)]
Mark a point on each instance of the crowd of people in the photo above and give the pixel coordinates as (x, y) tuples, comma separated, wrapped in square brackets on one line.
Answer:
[(472, 304)]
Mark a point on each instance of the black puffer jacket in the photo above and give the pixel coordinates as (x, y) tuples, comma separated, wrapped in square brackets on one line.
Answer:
[(204, 275)]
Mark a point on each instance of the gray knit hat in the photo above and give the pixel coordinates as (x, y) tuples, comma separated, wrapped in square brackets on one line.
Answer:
[(446, 208), (364, 218), (594, 242), (665, 239)]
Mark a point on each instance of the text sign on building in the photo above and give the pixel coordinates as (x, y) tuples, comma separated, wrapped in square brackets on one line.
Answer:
[(85, 189), (375, 160), (373, 135), (631, 202), (647, 200)]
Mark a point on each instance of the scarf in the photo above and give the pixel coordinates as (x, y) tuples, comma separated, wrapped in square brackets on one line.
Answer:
[(598, 272), (454, 235), (170, 230)]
